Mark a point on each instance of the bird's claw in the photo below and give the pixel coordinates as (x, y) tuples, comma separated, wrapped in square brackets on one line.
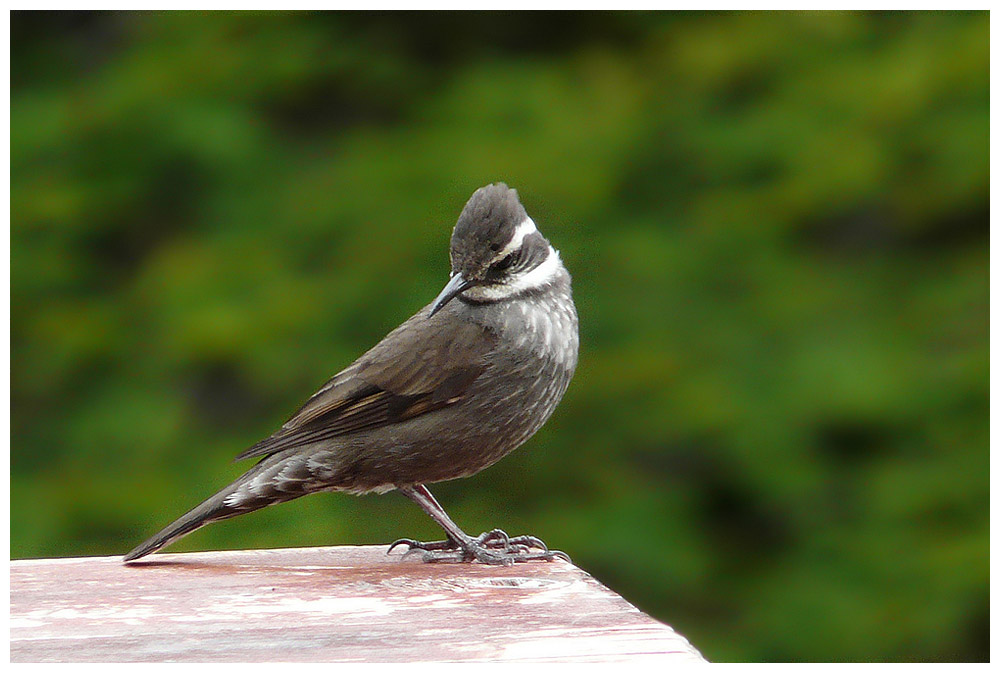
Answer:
[(494, 547)]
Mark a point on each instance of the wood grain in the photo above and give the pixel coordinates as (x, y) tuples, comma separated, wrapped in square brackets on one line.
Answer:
[(323, 604)]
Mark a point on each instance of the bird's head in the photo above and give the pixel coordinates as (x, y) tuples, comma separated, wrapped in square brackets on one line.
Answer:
[(496, 250)]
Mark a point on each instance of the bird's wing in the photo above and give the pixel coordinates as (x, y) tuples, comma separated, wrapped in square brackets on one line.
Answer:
[(421, 366)]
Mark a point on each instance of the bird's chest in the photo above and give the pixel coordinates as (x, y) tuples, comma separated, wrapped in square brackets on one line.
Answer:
[(533, 360), (529, 366), (534, 336)]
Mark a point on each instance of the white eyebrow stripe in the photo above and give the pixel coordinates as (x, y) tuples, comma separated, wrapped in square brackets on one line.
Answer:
[(541, 275), (526, 228)]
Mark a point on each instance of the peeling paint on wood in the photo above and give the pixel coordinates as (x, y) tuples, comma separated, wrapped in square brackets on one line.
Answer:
[(323, 604)]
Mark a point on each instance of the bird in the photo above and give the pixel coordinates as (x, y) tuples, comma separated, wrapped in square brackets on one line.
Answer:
[(452, 390)]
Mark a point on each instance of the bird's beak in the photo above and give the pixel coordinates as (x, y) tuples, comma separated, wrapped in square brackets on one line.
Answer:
[(455, 286)]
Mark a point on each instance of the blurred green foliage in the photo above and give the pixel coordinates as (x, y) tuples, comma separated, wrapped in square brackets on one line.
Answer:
[(777, 439)]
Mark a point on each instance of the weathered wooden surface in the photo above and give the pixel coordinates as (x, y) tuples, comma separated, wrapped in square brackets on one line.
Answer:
[(324, 604)]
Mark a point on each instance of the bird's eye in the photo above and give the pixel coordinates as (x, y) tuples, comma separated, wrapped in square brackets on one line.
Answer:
[(506, 262)]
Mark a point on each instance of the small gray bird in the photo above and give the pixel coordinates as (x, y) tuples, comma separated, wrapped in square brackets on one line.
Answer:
[(451, 391)]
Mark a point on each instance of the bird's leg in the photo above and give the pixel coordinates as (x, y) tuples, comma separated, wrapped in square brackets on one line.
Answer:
[(423, 497), (494, 547)]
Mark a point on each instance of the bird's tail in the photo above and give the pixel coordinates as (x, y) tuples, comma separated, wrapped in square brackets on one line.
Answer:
[(246, 494)]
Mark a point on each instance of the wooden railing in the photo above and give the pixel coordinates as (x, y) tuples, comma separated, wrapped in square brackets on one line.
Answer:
[(323, 605)]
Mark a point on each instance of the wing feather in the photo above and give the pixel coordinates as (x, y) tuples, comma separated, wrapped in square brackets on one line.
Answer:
[(421, 366)]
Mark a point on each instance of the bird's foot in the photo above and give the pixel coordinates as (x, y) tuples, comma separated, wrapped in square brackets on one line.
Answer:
[(417, 545), (493, 548)]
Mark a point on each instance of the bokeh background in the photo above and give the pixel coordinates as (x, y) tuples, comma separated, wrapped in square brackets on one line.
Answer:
[(777, 224)]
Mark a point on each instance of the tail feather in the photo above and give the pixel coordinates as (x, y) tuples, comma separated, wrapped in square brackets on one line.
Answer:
[(258, 488), (211, 510), (273, 480)]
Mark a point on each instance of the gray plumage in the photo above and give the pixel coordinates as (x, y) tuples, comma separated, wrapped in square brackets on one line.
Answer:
[(449, 392)]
